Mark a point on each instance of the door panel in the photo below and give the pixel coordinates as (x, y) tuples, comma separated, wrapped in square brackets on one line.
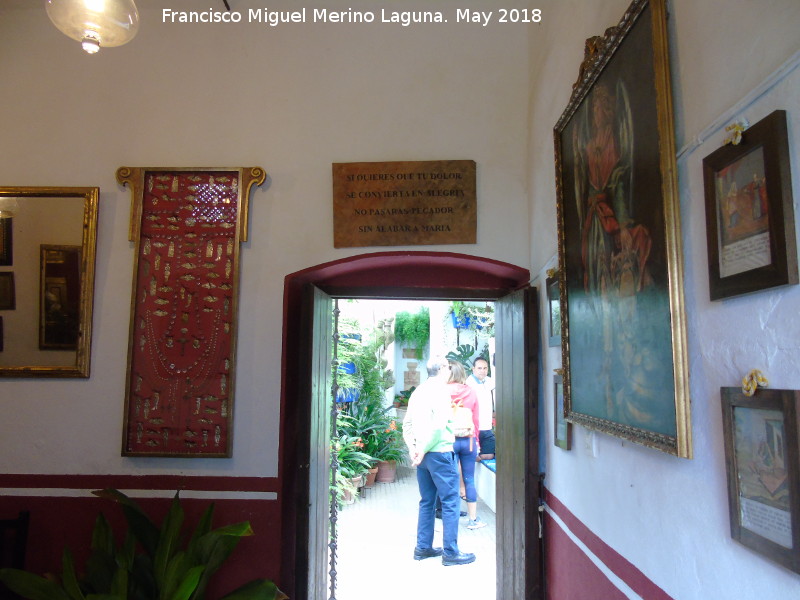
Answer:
[(516, 403), (319, 450)]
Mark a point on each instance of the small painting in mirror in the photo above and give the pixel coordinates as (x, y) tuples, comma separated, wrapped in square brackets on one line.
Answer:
[(60, 297), (5, 242), (7, 297)]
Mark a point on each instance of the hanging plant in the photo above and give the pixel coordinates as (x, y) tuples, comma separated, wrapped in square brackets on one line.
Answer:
[(413, 330), (362, 375), (473, 317)]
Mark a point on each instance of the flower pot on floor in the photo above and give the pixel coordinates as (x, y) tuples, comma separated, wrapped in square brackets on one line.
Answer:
[(387, 471), (371, 474)]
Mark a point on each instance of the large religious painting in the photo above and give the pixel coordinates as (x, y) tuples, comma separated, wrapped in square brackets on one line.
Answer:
[(623, 333), (187, 225)]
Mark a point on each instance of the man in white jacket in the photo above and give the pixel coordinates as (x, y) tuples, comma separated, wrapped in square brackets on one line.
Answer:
[(428, 433)]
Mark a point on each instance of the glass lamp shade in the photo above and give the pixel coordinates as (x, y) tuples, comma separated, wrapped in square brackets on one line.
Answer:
[(8, 207), (95, 23)]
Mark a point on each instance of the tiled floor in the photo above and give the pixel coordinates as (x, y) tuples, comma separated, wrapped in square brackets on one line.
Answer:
[(376, 537)]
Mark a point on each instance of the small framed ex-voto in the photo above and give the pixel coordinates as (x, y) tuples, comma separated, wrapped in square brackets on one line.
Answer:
[(762, 457), (750, 212)]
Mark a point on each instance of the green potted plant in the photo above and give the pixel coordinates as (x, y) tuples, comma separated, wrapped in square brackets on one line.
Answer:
[(413, 330), (390, 450), (152, 563), (353, 462), (401, 398)]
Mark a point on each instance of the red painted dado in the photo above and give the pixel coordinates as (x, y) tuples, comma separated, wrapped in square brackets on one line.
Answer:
[(63, 515), (572, 575), (569, 573)]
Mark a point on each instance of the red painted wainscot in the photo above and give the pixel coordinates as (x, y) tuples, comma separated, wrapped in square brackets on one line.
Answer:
[(572, 575), (63, 512)]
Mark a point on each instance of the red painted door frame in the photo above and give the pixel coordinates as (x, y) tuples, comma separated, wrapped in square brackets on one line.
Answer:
[(432, 275)]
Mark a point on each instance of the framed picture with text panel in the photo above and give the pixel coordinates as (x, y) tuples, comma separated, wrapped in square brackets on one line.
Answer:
[(750, 212), (762, 460)]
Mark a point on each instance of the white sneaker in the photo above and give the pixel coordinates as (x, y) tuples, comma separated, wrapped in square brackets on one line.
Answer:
[(476, 524)]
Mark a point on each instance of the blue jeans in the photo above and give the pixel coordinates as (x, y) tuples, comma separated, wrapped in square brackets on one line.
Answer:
[(466, 450), (437, 475)]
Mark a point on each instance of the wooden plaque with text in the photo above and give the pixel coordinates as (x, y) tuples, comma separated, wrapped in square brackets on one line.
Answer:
[(404, 203)]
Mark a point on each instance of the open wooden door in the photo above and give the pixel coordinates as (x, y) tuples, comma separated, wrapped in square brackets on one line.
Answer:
[(519, 573), (319, 448)]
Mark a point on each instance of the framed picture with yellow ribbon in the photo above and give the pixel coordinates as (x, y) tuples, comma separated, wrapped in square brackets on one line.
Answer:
[(749, 211), (762, 459)]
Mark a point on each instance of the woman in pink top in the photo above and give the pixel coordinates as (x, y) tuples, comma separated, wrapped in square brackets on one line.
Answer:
[(466, 446)]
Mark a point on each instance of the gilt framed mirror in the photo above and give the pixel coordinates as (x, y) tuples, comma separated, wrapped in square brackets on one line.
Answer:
[(53, 234)]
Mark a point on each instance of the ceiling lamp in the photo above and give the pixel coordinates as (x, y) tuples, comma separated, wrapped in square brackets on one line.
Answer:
[(95, 23)]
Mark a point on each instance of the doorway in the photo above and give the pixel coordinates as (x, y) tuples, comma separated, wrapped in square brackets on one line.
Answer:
[(305, 386), (381, 351)]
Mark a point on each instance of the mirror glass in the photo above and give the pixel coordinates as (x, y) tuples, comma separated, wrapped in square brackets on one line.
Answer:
[(47, 257)]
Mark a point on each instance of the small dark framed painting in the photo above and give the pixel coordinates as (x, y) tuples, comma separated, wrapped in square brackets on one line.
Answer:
[(762, 459), (7, 296), (749, 212), (562, 429), (553, 309), (6, 246)]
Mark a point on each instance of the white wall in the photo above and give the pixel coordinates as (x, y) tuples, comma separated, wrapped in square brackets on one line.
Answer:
[(292, 99), (669, 516)]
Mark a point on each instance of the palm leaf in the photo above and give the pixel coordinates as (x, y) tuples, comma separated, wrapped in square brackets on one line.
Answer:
[(68, 577), (258, 589), (31, 586), (143, 528), (189, 584), (167, 542)]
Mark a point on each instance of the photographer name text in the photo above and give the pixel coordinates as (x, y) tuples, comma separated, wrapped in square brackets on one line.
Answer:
[(274, 18)]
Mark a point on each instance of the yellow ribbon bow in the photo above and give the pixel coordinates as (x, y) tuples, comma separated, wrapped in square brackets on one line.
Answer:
[(753, 380)]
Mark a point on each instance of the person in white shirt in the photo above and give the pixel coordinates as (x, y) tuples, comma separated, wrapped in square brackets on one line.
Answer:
[(428, 433), (484, 387)]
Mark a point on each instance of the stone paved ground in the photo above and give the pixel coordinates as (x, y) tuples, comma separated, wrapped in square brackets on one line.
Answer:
[(376, 537)]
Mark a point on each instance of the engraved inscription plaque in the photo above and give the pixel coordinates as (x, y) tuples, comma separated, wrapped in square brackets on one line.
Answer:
[(404, 203)]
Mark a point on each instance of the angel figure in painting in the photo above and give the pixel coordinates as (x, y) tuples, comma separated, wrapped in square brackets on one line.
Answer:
[(614, 251)]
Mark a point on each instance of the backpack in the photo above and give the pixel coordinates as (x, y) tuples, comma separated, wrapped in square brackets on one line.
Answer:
[(462, 420)]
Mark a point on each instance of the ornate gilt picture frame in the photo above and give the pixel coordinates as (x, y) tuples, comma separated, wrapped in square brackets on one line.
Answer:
[(623, 325), (51, 216), (187, 225)]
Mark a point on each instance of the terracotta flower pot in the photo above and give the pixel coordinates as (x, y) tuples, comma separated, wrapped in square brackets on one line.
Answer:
[(371, 474), (387, 471)]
